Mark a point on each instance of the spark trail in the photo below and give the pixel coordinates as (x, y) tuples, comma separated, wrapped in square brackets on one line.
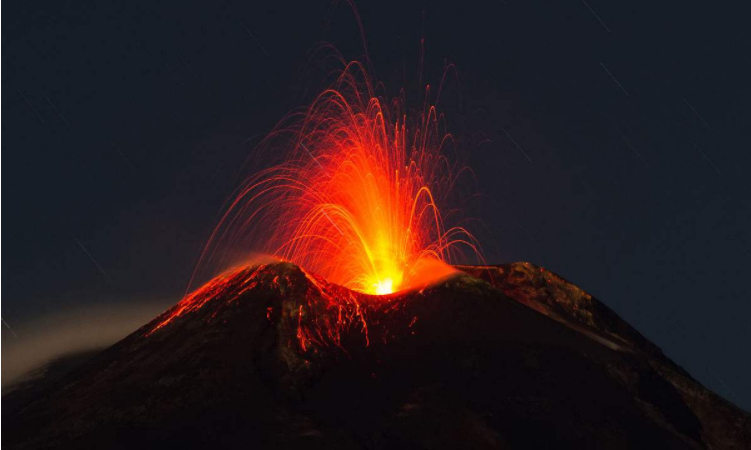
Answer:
[(359, 195)]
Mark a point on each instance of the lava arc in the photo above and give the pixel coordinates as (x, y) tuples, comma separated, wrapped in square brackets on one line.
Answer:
[(359, 196)]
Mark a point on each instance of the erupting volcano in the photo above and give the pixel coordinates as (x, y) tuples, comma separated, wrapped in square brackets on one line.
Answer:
[(310, 352), (362, 197)]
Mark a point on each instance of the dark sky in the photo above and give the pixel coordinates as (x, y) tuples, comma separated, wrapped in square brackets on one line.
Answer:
[(609, 139)]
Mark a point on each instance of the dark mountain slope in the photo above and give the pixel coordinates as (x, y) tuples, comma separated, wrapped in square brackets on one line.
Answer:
[(271, 356)]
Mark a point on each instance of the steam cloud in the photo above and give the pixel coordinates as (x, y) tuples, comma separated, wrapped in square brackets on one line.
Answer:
[(48, 338)]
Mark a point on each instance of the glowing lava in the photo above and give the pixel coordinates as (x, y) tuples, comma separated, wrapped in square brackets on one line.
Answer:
[(384, 287), (357, 196)]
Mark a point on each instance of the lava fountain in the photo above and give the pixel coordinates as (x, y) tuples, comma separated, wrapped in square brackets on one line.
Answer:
[(358, 195)]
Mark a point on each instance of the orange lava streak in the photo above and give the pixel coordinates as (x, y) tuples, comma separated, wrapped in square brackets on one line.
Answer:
[(357, 199), (228, 285)]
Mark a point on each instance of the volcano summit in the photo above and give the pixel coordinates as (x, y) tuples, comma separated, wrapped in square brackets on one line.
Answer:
[(270, 356)]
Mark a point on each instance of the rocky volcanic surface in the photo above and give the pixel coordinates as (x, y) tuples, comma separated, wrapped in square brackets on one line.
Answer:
[(507, 356)]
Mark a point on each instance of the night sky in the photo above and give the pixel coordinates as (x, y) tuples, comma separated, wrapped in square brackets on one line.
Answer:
[(609, 141)]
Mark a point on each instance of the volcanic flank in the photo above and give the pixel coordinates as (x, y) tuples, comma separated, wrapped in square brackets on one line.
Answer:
[(506, 356)]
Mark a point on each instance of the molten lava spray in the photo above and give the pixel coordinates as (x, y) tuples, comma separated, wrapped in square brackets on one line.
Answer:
[(358, 196)]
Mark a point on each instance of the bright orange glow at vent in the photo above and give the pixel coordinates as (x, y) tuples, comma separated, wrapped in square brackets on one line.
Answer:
[(357, 196)]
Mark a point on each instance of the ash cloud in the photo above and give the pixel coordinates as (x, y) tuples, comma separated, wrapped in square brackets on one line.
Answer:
[(49, 338)]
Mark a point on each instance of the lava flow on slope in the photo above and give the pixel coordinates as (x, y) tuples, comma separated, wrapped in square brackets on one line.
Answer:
[(324, 314), (334, 308)]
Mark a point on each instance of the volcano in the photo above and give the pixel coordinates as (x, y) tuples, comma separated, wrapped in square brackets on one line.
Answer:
[(270, 356)]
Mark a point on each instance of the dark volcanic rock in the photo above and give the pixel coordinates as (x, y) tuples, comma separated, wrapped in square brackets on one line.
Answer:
[(275, 357)]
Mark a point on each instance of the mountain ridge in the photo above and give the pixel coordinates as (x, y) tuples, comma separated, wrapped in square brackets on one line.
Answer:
[(275, 356)]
